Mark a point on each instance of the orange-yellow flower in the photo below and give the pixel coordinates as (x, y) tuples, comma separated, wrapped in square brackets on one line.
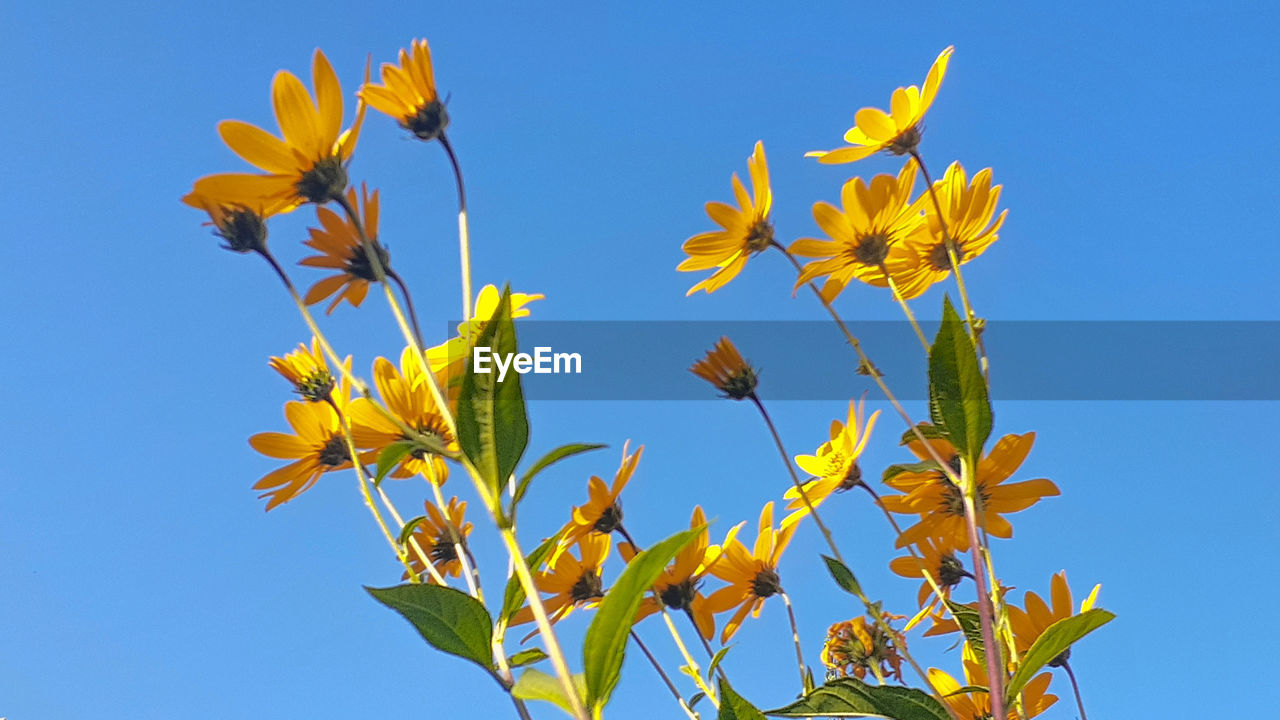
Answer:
[(744, 231), (835, 463), (898, 130), (306, 369), (938, 559), (969, 216), (572, 582), (602, 513), (1029, 623), (408, 93), (242, 227), (408, 397), (724, 368), (854, 647), (867, 237), (306, 164), (976, 705), (435, 534), (342, 248), (752, 575)]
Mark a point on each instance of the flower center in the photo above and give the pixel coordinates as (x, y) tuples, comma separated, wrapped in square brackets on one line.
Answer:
[(760, 236), (334, 452), (244, 230), (871, 249), (433, 427), (906, 141), (444, 551), (680, 595), (766, 583), (852, 478), (316, 386), (610, 519), (950, 571), (588, 587), (358, 264), (325, 181), (939, 259), (429, 122)]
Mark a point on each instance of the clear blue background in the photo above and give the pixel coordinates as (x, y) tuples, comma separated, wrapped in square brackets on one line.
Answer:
[(139, 576)]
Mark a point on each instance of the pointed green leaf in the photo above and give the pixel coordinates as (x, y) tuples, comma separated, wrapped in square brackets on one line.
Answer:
[(606, 640), (734, 707), (450, 620), (970, 623), (958, 398), (526, 657), (493, 428), (716, 660), (390, 457), (408, 528), (843, 576), (1055, 640), (894, 471), (850, 697), (697, 698), (534, 684), (548, 460), (514, 595), (928, 431)]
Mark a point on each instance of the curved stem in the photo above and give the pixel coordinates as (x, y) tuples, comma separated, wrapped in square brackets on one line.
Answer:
[(464, 235), (688, 658), (1075, 687), (924, 570), (666, 679), (795, 637), (408, 302)]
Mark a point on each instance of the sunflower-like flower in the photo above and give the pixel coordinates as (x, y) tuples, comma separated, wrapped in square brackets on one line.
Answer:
[(897, 131), (243, 228), (867, 239), (435, 533), (976, 704), (938, 559), (969, 217), (449, 359), (602, 513), (752, 575), (407, 396), (854, 647), (342, 249), (308, 164), (408, 93), (306, 369), (834, 464), (940, 503), (1030, 621), (724, 368), (572, 582), (677, 587), (316, 447), (745, 230)]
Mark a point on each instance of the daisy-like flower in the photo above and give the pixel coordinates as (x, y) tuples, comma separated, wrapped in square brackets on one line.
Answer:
[(316, 447), (306, 369), (834, 464), (342, 249), (408, 93), (449, 359), (308, 164), (976, 705), (969, 217), (602, 513), (854, 647), (897, 131), (752, 575), (677, 587), (1035, 616), (939, 560), (745, 230), (407, 396), (724, 368), (243, 228), (572, 582), (867, 239), (940, 503), (434, 536)]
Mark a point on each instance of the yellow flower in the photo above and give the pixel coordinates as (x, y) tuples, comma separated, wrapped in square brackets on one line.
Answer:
[(724, 368), (677, 587), (835, 463), (306, 369), (752, 576), (602, 513), (898, 130), (435, 538), (1029, 623), (308, 164), (940, 504), (449, 360), (407, 396), (937, 558), (341, 248), (745, 230), (316, 447), (854, 647), (408, 93), (571, 582), (242, 227), (867, 238), (976, 705), (968, 210)]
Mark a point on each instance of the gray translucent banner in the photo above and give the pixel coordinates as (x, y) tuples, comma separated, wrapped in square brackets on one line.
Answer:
[(1076, 360)]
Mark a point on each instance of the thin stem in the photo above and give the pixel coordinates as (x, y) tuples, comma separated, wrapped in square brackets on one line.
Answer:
[(423, 556), (464, 235), (675, 692), (521, 708), (1075, 687), (408, 302), (469, 569), (627, 536), (706, 645), (906, 309), (924, 570), (795, 637), (696, 671), (992, 651)]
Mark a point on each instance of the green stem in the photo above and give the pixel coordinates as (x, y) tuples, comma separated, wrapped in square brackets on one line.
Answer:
[(666, 679), (464, 234)]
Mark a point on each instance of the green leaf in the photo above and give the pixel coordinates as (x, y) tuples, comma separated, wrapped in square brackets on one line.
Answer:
[(843, 576), (526, 657), (894, 471), (514, 595), (716, 660), (697, 698), (390, 457), (928, 431), (408, 528), (734, 707), (958, 398), (850, 697), (606, 640), (1055, 640), (548, 460), (970, 623), (493, 429), (534, 684), (450, 620)]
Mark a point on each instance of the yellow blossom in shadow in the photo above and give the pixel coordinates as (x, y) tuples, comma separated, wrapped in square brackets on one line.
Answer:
[(744, 230), (242, 227), (408, 93), (976, 705), (306, 369), (752, 575), (834, 464), (602, 513), (725, 369), (435, 538), (342, 249), (571, 582), (938, 558)]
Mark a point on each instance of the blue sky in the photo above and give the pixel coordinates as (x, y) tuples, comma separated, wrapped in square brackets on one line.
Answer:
[(141, 578)]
